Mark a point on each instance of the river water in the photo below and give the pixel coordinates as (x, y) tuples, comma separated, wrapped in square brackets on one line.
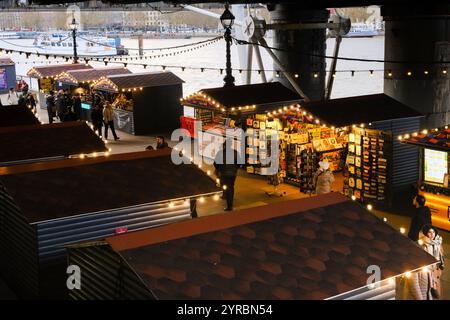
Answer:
[(214, 56)]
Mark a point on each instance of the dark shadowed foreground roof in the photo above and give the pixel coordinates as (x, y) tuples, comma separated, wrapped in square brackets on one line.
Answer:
[(62, 188), (439, 140), (48, 140), (361, 109), (147, 79), (54, 70), (313, 248), (11, 116), (253, 94)]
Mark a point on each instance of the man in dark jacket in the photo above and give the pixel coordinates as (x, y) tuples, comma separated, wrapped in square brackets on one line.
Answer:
[(421, 217), (161, 143), (51, 107), (77, 106), (226, 169)]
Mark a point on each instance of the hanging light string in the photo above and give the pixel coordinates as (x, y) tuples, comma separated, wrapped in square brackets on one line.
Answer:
[(422, 132), (244, 42), (157, 49)]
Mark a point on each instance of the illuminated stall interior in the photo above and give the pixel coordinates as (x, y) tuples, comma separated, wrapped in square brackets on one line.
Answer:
[(434, 171)]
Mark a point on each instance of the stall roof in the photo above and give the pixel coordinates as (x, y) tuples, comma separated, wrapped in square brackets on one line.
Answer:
[(252, 94), (146, 79), (5, 61), (54, 70), (360, 109), (313, 248), (36, 142), (16, 116), (77, 76), (439, 140), (62, 188)]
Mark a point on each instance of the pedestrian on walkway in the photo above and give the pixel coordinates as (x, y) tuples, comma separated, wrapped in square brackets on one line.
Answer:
[(108, 118), (161, 143), (51, 106), (422, 217), (226, 165), (431, 242), (97, 119), (77, 106), (323, 178), (13, 97), (31, 101)]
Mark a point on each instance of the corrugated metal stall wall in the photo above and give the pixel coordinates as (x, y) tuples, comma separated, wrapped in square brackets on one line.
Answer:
[(405, 160), (53, 235), (19, 264), (104, 274)]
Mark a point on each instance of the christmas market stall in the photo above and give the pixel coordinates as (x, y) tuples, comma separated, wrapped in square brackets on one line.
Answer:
[(11, 116), (48, 205), (7, 75), (79, 81), (377, 167), (224, 111), (309, 249), (144, 103), (37, 143), (434, 171), (43, 78)]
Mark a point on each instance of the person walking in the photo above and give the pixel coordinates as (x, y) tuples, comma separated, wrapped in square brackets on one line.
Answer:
[(422, 217), (108, 118), (51, 106), (323, 178), (13, 97), (431, 242), (77, 106), (60, 105), (226, 165), (414, 286), (31, 101), (97, 119), (161, 143)]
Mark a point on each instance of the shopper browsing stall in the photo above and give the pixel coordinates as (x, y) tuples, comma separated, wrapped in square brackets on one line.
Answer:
[(323, 179)]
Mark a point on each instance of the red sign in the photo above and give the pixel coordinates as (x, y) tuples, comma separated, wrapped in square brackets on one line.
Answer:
[(188, 124), (120, 230)]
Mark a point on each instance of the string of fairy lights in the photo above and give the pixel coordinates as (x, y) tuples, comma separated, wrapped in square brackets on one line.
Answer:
[(144, 61)]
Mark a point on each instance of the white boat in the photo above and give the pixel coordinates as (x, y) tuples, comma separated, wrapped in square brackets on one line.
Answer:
[(361, 30), (5, 35), (87, 45)]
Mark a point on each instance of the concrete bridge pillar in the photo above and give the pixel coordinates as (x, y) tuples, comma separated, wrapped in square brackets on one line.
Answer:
[(304, 41), (421, 34)]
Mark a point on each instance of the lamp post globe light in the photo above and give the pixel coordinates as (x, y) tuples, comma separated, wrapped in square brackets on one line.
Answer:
[(227, 20), (74, 26)]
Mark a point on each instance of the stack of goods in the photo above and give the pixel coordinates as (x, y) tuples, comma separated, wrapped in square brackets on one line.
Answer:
[(309, 163), (121, 102), (368, 165)]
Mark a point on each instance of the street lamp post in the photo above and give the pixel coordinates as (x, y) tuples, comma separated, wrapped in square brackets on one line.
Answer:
[(227, 20), (74, 27)]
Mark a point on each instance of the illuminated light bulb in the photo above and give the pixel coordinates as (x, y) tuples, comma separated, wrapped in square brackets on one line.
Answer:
[(192, 159), (436, 129), (407, 136), (216, 197), (402, 230), (362, 125), (208, 172), (332, 128), (353, 198), (425, 72), (304, 113), (292, 107), (420, 241), (202, 199), (385, 219), (409, 73), (217, 180), (106, 154), (391, 281), (400, 137), (389, 74), (316, 75), (109, 149), (444, 71), (199, 166), (415, 134), (408, 274), (224, 187), (369, 207), (279, 110), (425, 269), (285, 108), (354, 126), (296, 75), (324, 126), (82, 156), (94, 154), (171, 205), (370, 123), (232, 109)]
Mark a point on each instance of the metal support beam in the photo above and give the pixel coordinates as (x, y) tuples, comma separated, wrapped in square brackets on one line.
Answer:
[(330, 81), (283, 69), (301, 26), (249, 64), (260, 63)]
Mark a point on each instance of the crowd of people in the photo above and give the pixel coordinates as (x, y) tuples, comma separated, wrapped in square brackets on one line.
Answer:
[(63, 105)]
